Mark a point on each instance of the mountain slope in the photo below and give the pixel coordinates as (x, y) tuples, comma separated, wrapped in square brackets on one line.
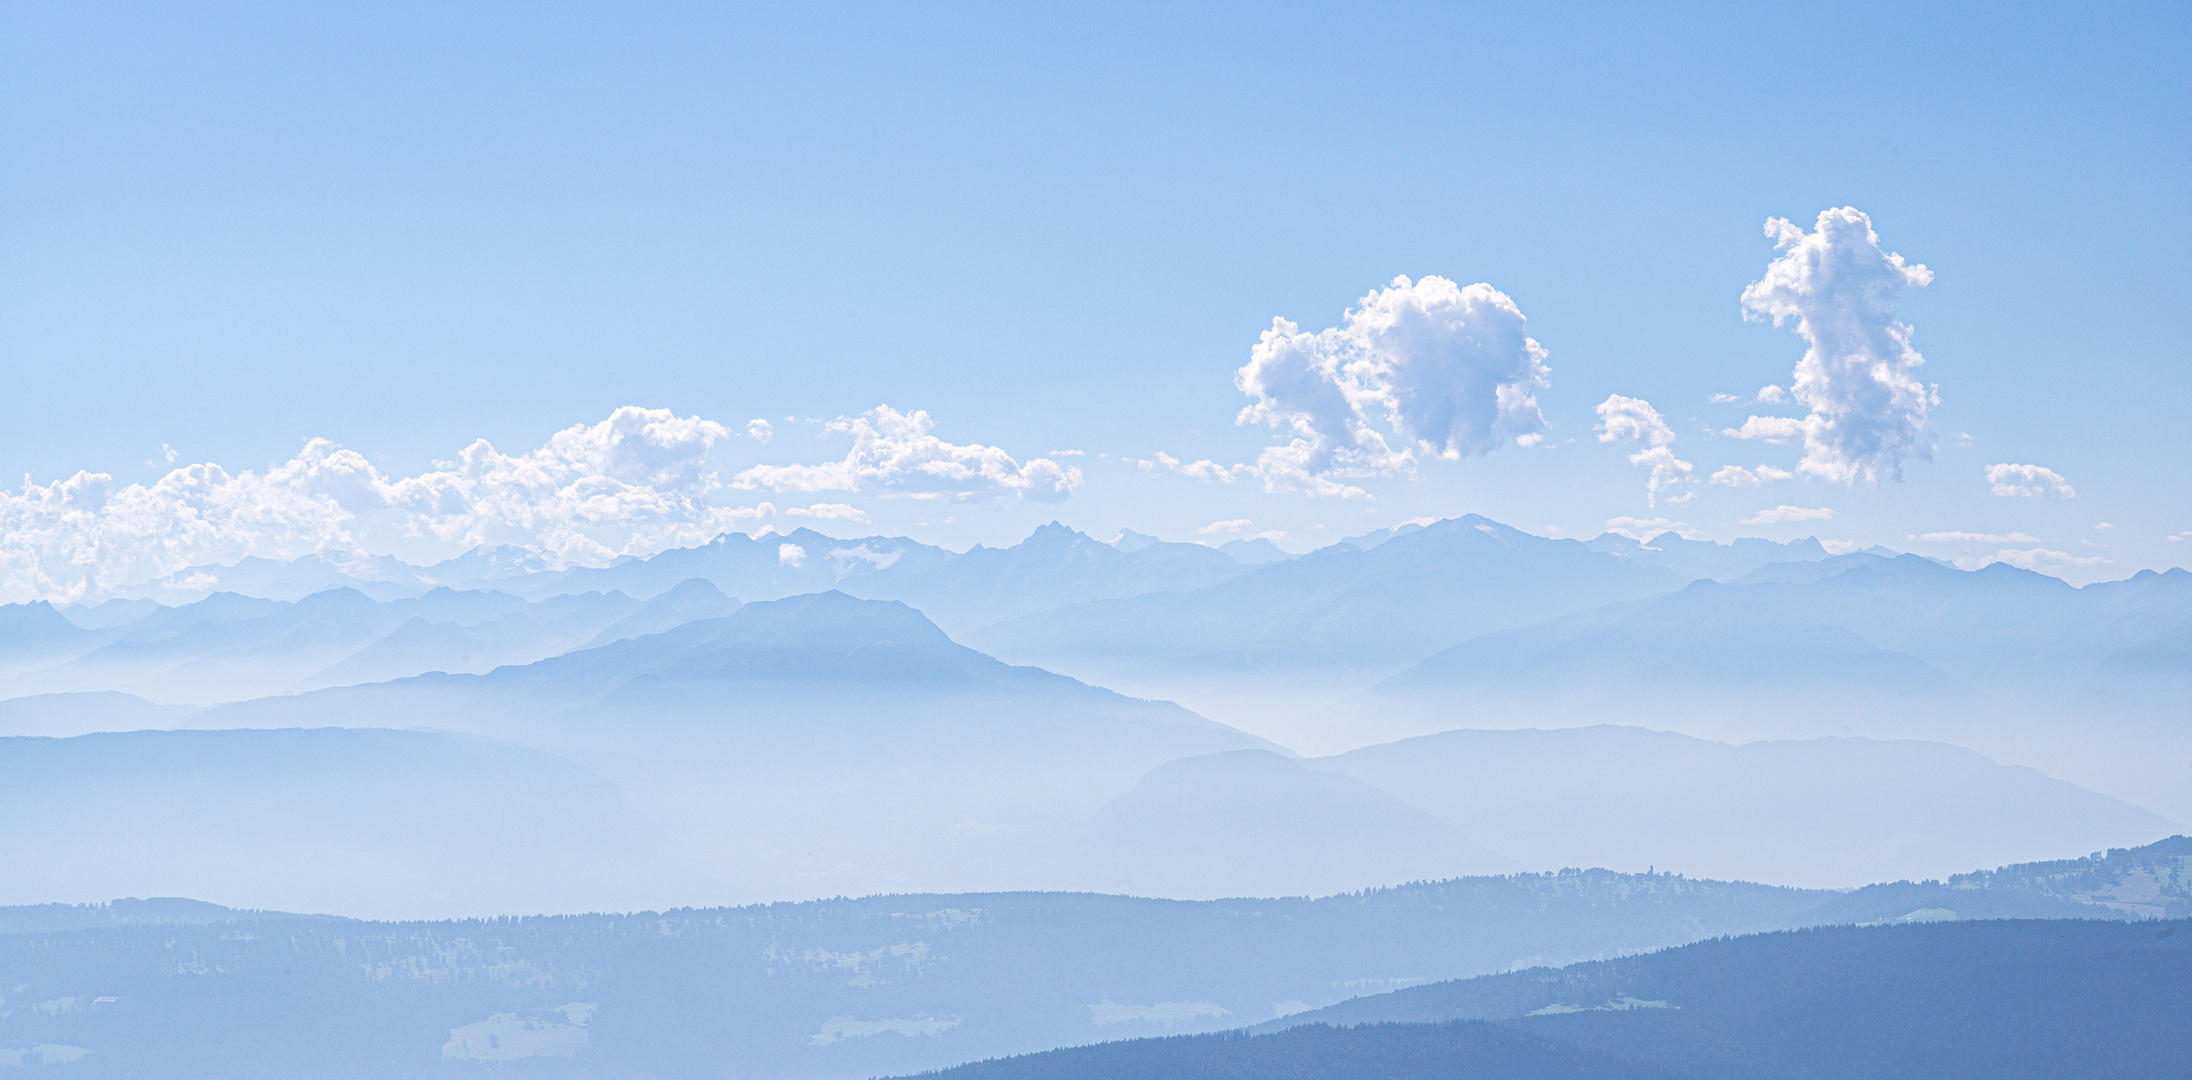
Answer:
[(1821, 812), (1054, 566), (34, 635), (1335, 619), (2086, 683), (62, 715), (314, 820), (1387, 1052), (1709, 652), (1992, 1000), (815, 744), (2149, 882), (838, 989), (690, 600), (1253, 823)]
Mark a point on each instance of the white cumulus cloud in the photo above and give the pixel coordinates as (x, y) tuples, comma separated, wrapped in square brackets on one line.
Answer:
[(1740, 477), (893, 454), (2033, 559), (759, 430), (1634, 420), (791, 555), (634, 483), (1642, 530), (1206, 470), (1786, 513), (1771, 395), (1867, 410), (1234, 525), (830, 512), (1443, 369), (1976, 538), (1773, 429), (2029, 481)]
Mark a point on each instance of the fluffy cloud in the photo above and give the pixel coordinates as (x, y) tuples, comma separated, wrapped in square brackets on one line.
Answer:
[(791, 555), (634, 483), (1976, 538), (2029, 481), (1867, 410), (1234, 525), (1772, 395), (1773, 429), (759, 430), (1786, 513), (1444, 370), (1739, 477), (830, 512), (1243, 529), (1642, 530), (893, 454), (1634, 420), (1206, 470)]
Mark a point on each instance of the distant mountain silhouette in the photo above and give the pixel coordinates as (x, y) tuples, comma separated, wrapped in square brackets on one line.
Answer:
[(2147, 882), (314, 820), (1255, 552), (1708, 646), (380, 577), (2021, 666), (228, 646), (1820, 813), (63, 715), (1991, 999), (1334, 618), (815, 724), (688, 601), (34, 635), (768, 567), (128, 911), (1695, 559), (1055, 565), (1254, 823), (1386, 1051), (835, 989)]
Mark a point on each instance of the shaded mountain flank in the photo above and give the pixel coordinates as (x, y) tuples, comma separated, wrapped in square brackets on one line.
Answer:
[(812, 745), (1980, 1000), (1831, 812), (897, 984)]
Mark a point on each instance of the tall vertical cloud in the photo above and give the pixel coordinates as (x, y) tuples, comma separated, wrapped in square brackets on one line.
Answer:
[(1444, 370), (1867, 409), (1628, 419)]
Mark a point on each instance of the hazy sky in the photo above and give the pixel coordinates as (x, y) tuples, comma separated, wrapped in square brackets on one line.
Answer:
[(406, 229)]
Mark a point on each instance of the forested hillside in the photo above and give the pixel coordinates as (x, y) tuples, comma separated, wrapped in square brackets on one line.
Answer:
[(840, 988), (1984, 1000), (1458, 1048)]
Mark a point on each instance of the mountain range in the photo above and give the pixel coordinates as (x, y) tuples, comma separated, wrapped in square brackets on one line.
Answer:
[(1791, 716), (1981, 999), (845, 988)]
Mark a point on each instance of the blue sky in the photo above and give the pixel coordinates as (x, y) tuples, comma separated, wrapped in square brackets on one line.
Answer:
[(230, 230)]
